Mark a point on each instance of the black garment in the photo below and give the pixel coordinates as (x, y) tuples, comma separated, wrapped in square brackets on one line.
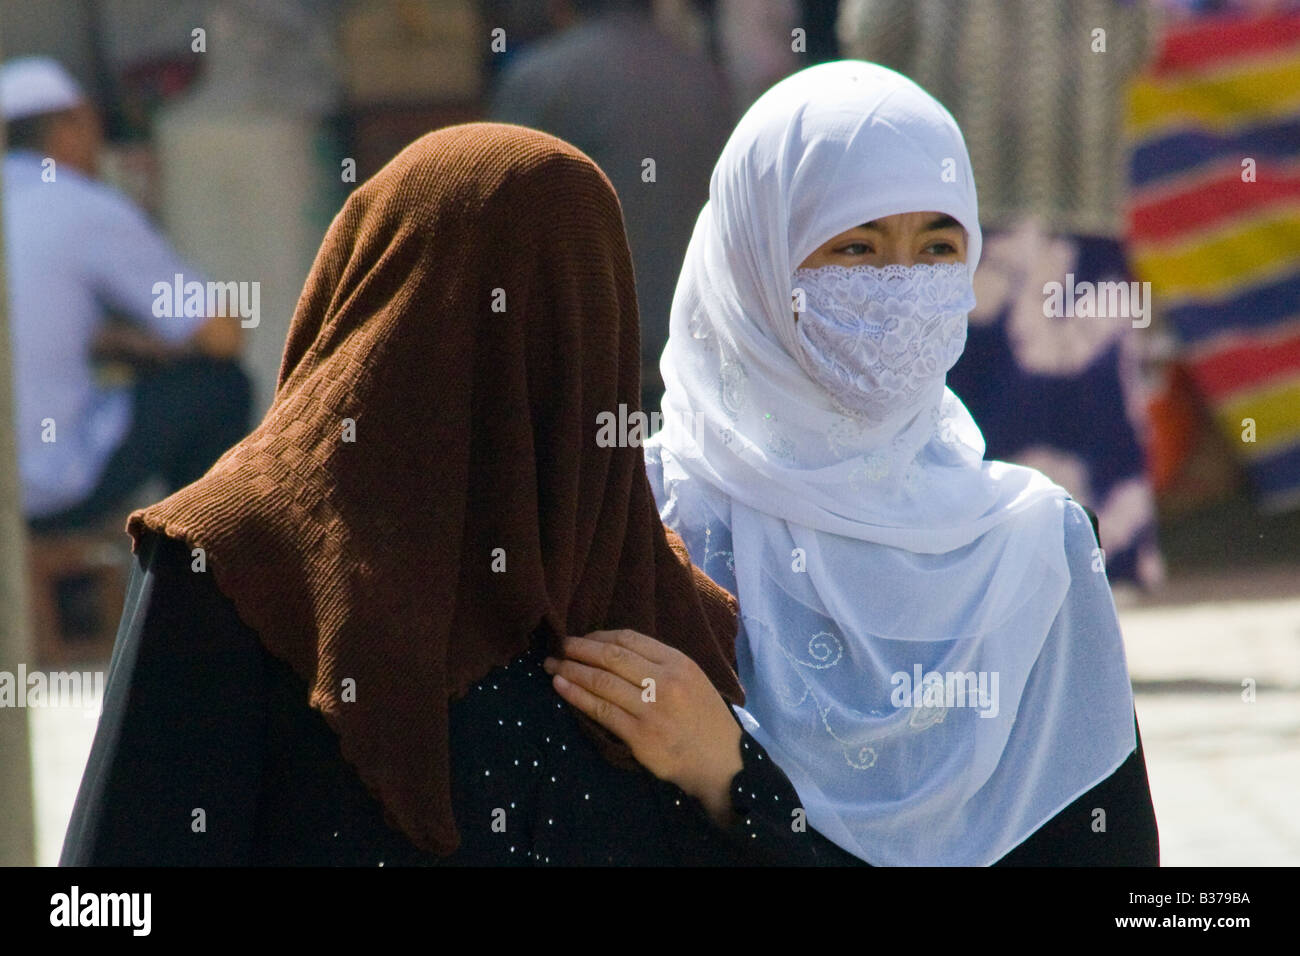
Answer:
[(199, 716), (184, 415)]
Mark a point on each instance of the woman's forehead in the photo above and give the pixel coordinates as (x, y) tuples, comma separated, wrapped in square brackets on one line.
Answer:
[(913, 222), (923, 221)]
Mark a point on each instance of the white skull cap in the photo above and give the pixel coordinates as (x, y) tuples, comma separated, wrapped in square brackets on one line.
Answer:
[(33, 85)]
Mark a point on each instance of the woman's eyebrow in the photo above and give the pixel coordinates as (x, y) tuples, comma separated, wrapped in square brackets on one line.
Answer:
[(943, 222)]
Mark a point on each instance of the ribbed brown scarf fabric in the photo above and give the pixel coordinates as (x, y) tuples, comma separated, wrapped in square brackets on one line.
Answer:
[(475, 430)]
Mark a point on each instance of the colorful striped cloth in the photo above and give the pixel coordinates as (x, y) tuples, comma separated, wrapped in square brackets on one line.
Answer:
[(1214, 226)]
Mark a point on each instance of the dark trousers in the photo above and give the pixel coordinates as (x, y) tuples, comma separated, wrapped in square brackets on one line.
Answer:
[(185, 415)]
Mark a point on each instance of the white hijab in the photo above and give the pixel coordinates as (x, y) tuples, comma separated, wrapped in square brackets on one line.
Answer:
[(860, 553)]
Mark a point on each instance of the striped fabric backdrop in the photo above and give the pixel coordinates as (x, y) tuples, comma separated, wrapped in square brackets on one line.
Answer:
[(1222, 253)]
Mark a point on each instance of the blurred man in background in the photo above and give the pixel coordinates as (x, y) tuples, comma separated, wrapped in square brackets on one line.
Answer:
[(614, 85), (83, 263)]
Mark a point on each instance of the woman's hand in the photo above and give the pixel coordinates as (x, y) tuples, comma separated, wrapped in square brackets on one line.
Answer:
[(660, 703)]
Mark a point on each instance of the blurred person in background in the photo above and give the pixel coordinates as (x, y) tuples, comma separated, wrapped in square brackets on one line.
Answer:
[(1038, 88), (612, 84), (82, 263), (524, 21), (755, 45)]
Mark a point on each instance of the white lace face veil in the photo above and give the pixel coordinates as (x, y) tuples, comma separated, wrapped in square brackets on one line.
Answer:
[(880, 338), (866, 549)]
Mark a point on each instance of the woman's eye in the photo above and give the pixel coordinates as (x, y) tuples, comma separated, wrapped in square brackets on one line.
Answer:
[(855, 249), (943, 248)]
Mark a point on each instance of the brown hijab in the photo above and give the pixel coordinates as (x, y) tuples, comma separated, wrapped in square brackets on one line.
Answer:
[(469, 314)]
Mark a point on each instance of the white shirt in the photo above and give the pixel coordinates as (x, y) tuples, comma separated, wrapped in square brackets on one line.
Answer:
[(76, 248)]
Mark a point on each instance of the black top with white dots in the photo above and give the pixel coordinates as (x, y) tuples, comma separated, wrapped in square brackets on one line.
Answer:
[(198, 715)]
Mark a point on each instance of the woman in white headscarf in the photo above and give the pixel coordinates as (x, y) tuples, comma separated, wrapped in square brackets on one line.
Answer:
[(929, 646)]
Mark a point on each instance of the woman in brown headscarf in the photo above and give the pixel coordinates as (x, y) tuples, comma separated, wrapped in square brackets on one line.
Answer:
[(332, 642)]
